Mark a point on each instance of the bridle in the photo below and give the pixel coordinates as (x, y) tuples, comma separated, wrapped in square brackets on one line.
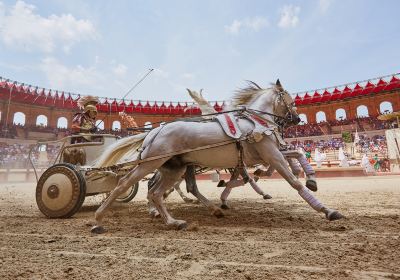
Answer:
[(279, 120)]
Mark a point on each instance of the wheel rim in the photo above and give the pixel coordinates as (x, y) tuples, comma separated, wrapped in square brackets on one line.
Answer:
[(59, 192), (127, 193)]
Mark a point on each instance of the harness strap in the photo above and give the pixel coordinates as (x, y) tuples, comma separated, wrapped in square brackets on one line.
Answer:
[(240, 168)]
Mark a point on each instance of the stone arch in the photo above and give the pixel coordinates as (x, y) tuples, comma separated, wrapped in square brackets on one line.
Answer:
[(362, 111), (320, 116), (340, 114), (100, 124), (41, 120), (386, 107), (62, 122), (19, 118), (303, 118), (116, 125)]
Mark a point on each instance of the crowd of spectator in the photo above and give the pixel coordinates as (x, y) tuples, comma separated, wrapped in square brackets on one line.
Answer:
[(303, 130), (17, 155), (322, 145)]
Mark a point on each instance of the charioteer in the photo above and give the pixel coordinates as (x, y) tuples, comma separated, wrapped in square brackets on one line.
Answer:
[(84, 123)]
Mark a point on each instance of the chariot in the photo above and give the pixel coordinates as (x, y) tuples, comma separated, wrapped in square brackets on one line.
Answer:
[(61, 189)]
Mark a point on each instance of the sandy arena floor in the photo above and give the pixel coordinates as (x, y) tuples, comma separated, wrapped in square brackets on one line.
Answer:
[(281, 238)]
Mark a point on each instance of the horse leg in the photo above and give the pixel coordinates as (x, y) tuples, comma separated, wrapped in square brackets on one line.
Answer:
[(224, 198), (278, 161), (304, 192), (168, 179), (254, 185), (123, 185), (180, 192), (311, 181), (192, 187)]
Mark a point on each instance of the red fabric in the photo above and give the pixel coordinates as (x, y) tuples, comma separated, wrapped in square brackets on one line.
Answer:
[(162, 109), (146, 108), (326, 96), (298, 100), (122, 106), (380, 86), (155, 108), (316, 97), (130, 108), (357, 90), (393, 84), (346, 93), (114, 106), (138, 108), (368, 88), (336, 94), (306, 99)]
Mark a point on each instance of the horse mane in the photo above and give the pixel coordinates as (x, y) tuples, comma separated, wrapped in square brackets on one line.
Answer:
[(244, 95)]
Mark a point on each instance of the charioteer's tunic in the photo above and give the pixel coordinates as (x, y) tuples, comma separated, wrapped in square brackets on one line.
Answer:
[(83, 124)]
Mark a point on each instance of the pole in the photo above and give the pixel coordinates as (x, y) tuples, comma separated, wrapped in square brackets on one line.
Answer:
[(129, 91), (8, 111)]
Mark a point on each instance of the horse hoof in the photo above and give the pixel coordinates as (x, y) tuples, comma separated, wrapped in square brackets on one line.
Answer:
[(224, 206), (334, 215), (267, 196), (312, 185), (97, 230), (218, 213), (182, 226)]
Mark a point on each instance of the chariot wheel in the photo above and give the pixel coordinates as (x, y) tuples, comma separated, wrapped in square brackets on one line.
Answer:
[(60, 191), (129, 194)]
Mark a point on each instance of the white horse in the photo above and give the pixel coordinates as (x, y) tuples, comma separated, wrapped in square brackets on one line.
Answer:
[(205, 144)]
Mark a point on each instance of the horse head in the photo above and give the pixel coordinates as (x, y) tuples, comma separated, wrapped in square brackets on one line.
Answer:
[(286, 105), (275, 100)]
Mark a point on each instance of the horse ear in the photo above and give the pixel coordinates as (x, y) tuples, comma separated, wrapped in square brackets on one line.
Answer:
[(278, 85)]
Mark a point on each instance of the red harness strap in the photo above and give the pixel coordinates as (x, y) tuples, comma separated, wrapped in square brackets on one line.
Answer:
[(259, 120), (230, 124)]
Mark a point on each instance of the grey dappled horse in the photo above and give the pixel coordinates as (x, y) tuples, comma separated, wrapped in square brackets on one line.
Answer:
[(178, 136)]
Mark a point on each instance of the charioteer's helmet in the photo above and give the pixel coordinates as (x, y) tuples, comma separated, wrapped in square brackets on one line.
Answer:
[(88, 103)]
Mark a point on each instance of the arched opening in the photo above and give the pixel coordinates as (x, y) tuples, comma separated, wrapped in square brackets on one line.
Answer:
[(100, 124), (321, 117), (19, 118), (41, 120), (116, 125), (303, 119), (386, 107), (148, 125), (362, 111), (62, 122), (340, 114)]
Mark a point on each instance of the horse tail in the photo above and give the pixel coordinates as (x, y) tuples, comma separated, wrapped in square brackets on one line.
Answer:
[(116, 151)]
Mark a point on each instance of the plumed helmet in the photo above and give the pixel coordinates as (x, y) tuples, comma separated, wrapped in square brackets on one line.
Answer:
[(90, 107), (88, 103)]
